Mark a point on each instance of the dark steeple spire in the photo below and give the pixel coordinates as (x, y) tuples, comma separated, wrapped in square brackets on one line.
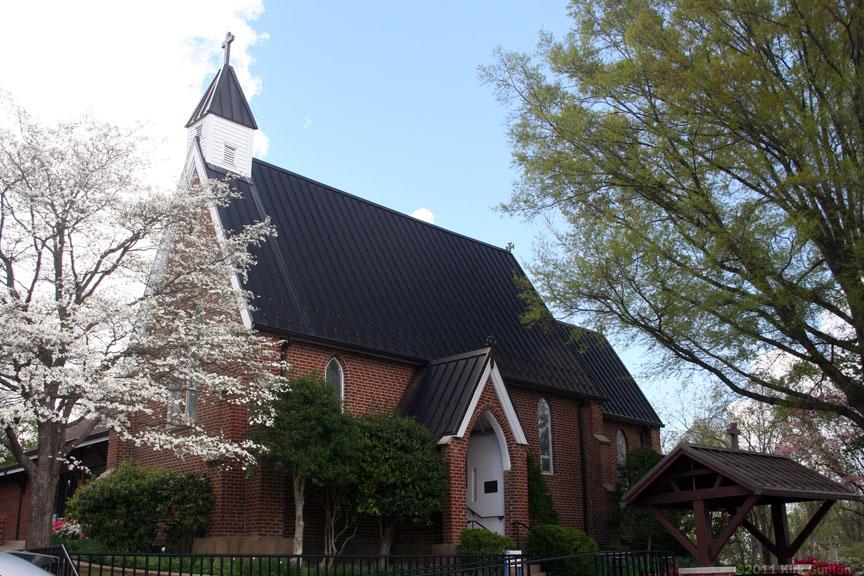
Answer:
[(224, 97)]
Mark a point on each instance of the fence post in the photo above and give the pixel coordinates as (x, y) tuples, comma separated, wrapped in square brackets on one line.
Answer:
[(513, 563)]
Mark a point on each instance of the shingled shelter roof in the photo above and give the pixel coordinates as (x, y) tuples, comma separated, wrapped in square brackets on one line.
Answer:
[(708, 479), (344, 271), (769, 476)]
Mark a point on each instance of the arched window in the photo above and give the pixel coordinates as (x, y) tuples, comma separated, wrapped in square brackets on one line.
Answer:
[(544, 426), (621, 443), (335, 377)]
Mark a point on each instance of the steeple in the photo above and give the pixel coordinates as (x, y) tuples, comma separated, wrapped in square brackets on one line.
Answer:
[(223, 122)]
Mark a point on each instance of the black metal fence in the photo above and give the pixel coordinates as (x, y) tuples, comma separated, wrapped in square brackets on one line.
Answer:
[(594, 564)]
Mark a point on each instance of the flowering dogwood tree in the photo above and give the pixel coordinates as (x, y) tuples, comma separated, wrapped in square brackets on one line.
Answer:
[(91, 332)]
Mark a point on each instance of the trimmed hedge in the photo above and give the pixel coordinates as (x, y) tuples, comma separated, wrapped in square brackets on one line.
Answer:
[(552, 541), (124, 510), (481, 542)]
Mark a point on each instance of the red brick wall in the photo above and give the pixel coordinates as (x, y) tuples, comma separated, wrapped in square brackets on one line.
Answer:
[(10, 487), (565, 482), (371, 384), (246, 503)]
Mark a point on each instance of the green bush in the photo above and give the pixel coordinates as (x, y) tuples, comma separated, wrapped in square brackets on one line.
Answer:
[(541, 508), (635, 528), (551, 541), (123, 511), (481, 542)]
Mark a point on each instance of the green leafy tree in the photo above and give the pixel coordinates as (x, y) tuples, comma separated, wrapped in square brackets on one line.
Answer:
[(339, 484), (301, 427), (404, 471), (541, 508), (703, 162), (125, 509)]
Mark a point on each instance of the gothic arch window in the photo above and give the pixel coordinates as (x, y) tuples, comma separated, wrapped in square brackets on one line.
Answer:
[(544, 427), (621, 444), (335, 377)]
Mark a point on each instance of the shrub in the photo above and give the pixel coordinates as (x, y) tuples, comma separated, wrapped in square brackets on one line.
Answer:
[(550, 541), (541, 508), (481, 542), (124, 510), (633, 527), (188, 503)]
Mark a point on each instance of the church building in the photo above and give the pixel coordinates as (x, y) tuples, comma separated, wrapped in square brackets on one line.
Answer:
[(402, 315)]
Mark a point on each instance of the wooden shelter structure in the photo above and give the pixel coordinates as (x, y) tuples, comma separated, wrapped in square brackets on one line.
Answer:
[(716, 482)]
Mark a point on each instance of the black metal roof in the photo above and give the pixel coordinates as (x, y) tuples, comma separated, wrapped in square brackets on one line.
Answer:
[(624, 398), (225, 98), (347, 272), (440, 393)]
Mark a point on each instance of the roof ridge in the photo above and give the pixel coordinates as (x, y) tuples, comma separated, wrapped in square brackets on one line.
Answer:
[(567, 324), (387, 209), (738, 451), (461, 356)]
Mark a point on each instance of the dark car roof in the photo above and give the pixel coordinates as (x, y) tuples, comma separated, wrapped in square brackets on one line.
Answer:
[(348, 272)]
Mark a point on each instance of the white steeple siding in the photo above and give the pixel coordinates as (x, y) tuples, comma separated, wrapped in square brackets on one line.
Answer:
[(223, 122), (224, 143)]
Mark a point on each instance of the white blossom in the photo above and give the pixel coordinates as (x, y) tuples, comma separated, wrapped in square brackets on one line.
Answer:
[(89, 330)]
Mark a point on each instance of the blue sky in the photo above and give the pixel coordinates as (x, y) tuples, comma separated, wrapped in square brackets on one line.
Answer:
[(381, 99)]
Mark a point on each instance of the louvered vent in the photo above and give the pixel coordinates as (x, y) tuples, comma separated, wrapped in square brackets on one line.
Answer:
[(228, 156)]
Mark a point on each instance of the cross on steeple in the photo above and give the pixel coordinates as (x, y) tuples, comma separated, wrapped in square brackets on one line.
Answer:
[(227, 47)]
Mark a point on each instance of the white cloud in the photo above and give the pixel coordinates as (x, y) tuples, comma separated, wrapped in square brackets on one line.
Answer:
[(144, 63), (424, 214), (261, 144), (306, 123)]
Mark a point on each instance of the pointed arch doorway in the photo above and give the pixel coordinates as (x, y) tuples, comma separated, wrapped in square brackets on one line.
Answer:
[(487, 460)]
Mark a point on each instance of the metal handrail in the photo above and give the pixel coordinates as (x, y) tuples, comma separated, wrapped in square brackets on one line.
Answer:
[(530, 531), (69, 560), (517, 524), (484, 517)]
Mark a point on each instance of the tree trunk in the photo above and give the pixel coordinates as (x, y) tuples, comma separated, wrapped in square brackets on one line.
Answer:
[(387, 529), (330, 515), (42, 498), (44, 478), (299, 484)]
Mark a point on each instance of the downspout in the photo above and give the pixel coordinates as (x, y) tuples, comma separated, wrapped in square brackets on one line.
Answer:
[(21, 484), (583, 458), (283, 355)]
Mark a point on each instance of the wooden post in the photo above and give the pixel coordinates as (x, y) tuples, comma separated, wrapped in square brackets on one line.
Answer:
[(781, 532), (702, 519)]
